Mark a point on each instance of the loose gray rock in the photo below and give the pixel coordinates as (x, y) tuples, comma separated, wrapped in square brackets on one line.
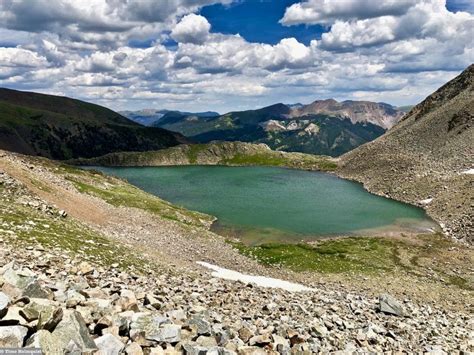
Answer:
[(36, 307), (50, 322), (72, 328), (34, 290), (47, 342), (109, 344), (203, 326), (389, 305), (148, 325), (169, 333), (18, 278)]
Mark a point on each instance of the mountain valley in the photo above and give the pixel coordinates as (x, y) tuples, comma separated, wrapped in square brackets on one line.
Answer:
[(324, 127)]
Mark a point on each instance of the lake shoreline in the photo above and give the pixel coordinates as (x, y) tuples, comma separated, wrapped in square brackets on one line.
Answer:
[(238, 154), (247, 202), (176, 238)]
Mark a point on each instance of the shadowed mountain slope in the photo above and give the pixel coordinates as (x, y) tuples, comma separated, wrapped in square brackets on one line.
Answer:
[(63, 128)]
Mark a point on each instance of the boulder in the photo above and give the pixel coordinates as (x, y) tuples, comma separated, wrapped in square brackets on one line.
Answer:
[(389, 305), (251, 350), (85, 268), (245, 334), (260, 340), (202, 325), (220, 351), (47, 342), (192, 349), (280, 344), (320, 330), (169, 333), (37, 306), (50, 321), (12, 336), (207, 342), (152, 301), (109, 344), (34, 290), (73, 330), (73, 298), (128, 301), (154, 328), (18, 278)]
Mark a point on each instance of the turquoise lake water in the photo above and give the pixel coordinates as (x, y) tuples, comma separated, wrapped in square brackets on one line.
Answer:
[(267, 204)]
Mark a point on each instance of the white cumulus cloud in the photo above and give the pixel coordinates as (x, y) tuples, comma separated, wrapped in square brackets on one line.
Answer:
[(191, 29)]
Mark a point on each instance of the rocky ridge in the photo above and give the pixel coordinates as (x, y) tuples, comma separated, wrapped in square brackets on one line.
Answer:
[(214, 153), (378, 113), (426, 158)]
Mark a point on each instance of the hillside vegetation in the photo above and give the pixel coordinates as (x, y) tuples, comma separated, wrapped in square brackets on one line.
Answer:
[(216, 153), (63, 128)]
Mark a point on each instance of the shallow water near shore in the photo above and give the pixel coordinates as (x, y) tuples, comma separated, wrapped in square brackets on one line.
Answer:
[(267, 204)]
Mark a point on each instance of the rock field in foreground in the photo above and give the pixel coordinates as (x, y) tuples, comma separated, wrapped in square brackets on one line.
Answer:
[(60, 303)]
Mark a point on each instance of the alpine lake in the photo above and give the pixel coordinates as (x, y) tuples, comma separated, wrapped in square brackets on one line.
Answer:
[(260, 205)]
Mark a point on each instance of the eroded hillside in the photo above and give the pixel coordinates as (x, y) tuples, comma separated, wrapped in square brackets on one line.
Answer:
[(428, 158)]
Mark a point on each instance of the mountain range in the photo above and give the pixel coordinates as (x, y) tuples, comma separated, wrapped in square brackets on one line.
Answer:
[(324, 127), (64, 128), (149, 116)]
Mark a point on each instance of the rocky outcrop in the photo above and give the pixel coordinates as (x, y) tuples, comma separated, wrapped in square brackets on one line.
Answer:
[(424, 159), (216, 153)]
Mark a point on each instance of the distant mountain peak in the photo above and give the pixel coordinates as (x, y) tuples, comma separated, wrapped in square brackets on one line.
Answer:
[(381, 114)]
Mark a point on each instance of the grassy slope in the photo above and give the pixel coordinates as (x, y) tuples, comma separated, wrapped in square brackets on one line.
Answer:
[(419, 256), (64, 128), (23, 226), (121, 194)]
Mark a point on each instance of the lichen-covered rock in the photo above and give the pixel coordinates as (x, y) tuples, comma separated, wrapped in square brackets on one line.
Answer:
[(34, 290), (47, 342), (202, 325), (36, 307)]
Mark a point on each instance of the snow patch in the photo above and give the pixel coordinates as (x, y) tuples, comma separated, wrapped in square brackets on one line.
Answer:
[(426, 202), (261, 281), (469, 171)]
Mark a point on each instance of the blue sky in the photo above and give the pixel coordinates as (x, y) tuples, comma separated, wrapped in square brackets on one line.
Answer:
[(257, 21), (223, 55)]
